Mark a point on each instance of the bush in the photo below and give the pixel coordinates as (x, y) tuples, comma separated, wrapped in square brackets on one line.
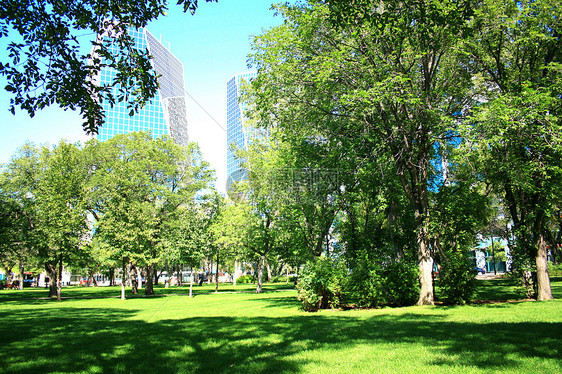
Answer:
[(283, 279), (400, 283), (248, 278), (365, 284), (554, 270), (322, 284), (457, 281)]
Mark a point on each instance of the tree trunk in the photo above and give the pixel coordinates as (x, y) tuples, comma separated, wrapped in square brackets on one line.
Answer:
[(134, 280), (261, 264), (544, 291), (52, 273), (268, 271), (148, 286), (180, 275), (59, 279), (425, 267), (235, 272), (217, 273), (210, 272), (112, 276), (21, 276), (191, 282), (123, 279)]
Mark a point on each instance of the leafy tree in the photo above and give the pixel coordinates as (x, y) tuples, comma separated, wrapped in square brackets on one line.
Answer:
[(138, 188), (18, 238), (44, 64), (61, 214), (516, 127), (387, 71)]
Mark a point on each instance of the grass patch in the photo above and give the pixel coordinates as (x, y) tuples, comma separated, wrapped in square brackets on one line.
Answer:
[(251, 333)]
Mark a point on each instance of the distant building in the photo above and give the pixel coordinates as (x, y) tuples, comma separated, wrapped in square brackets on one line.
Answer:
[(166, 113), (237, 135)]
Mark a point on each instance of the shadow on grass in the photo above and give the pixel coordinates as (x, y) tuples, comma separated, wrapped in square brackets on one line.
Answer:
[(108, 340), (29, 294)]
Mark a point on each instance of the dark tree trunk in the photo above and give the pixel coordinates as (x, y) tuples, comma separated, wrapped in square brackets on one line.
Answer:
[(217, 273), (52, 272), (112, 276), (148, 287), (123, 279), (180, 275), (134, 280), (59, 280)]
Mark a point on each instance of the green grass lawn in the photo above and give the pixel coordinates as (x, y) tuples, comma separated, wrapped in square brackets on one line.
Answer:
[(267, 333)]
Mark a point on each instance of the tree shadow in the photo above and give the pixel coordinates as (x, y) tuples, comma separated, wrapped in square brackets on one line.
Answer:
[(112, 340)]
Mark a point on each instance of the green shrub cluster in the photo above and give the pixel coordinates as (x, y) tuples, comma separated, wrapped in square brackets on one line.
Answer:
[(248, 278), (457, 280), (554, 270), (328, 283), (283, 279)]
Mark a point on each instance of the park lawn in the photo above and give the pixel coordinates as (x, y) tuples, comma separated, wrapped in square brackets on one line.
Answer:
[(267, 333)]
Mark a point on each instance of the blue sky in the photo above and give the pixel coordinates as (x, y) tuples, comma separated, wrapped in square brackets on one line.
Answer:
[(213, 46)]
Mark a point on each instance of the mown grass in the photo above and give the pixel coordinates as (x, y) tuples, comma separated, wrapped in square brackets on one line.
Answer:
[(267, 333)]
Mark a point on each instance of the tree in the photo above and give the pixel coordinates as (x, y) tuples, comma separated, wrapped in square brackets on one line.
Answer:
[(389, 71), (516, 125), (17, 240), (44, 65), (61, 214), (138, 186)]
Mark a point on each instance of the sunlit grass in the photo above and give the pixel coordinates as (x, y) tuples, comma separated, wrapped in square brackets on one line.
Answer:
[(267, 333)]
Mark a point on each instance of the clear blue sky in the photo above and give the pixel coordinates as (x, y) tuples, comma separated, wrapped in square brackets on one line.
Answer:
[(213, 46)]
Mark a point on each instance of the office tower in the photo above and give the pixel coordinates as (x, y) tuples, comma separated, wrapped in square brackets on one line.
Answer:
[(237, 134), (166, 113)]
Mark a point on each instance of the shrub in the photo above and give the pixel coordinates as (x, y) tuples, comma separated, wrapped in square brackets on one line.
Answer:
[(554, 270), (400, 283), (283, 279), (365, 284), (322, 284), (248, 278), (457, 282)]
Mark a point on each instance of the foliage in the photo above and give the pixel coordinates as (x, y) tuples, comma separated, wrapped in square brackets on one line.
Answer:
[(140, 189), (456, 279), (394, 77), (321, 284), (365, 284), (44, 63), (400, 283), (555, 270), (248, 278), (514, 133)]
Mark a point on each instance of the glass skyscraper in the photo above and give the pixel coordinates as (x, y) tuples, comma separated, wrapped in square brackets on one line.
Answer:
[(166, 113), (237, 135)]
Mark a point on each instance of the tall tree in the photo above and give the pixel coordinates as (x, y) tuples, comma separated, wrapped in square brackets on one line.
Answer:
[(387, 71), (137, 187), (517, 128)]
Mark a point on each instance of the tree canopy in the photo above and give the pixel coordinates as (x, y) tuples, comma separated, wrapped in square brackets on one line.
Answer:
[(44, 63)]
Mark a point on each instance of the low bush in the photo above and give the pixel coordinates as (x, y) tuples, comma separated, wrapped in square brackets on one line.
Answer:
[(457, 280), (322, 284), (248, 278), (554, 270), (400, 283), (365, 284)]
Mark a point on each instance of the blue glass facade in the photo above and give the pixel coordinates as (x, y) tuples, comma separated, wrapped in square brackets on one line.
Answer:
[(237, 135), (166, 113)]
